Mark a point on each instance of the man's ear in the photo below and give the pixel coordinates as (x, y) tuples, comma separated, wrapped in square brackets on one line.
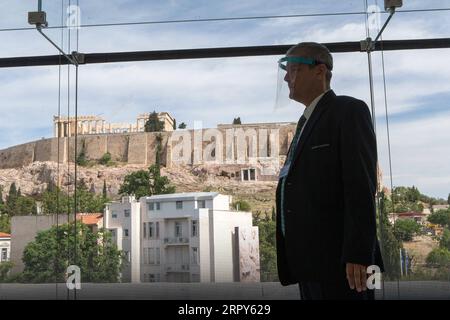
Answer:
[(321, 70)]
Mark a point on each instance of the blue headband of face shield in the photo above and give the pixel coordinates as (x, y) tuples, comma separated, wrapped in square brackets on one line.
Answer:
[(282, 63)]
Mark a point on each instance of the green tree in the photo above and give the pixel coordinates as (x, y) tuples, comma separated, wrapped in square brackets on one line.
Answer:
[(438, 257), (146, 183), (12, 196), (88, 201), (158, 183), (105, 159), (5, 223), (105, 191), (53, 250), (267, 250), (412, 194), (390, 245), (1, 196), (237, 120), (444, 242), (241, 205), (158, 150), (405, 230), (153, 124), (136, 183), (17, 204), (81, 158), (58, 201), (25, 206), (5, 267), (54, 201), (441, 217), (182, 125)]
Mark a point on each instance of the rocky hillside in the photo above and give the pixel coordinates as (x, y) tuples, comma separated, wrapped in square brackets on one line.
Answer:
[(34, 179)]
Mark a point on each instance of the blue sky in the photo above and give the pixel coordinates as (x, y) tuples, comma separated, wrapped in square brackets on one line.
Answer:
[(217, 90)]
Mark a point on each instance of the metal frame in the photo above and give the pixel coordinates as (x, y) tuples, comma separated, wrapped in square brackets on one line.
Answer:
[(225, 52)]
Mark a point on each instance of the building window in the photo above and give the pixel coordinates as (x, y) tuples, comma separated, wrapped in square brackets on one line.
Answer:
[(201, 204), (151, 256), (114, 214), (127, 256), (178, 229), (158, 277), (152, 277), (157, 230), (194, 228), (249, 174), (179, 204), (145, 229), (195, 277), (145, 256), (126, 213), (4, 254), (150, 229), (151, 206), (252, 174), (125, 232), (158, 256), (194, 255), (158, 205)]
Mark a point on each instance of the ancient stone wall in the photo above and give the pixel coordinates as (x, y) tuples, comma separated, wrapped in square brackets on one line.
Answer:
[(140, 148)]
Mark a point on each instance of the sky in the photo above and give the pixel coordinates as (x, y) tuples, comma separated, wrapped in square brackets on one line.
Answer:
[(217, 90)]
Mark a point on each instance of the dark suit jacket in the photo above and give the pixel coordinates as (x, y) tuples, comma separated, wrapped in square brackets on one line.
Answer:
[(330, 195)]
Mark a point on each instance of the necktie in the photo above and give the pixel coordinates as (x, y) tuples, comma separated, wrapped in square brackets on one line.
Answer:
[(294, 142), (289, 157)]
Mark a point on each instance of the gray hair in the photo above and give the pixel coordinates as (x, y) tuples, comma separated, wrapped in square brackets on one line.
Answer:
[(317, 52)]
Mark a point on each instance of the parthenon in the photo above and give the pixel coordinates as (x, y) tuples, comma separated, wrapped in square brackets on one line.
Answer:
[(65, 126)]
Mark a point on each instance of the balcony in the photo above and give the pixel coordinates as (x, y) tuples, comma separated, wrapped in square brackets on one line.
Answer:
[(174, 267), (176, 241)]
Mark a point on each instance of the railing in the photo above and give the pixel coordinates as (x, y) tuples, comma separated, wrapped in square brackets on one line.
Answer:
[(177, 267), (176, 240)]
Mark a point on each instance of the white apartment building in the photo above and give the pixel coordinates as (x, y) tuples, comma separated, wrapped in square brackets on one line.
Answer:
[(184, 237), (5, 247), (123, 219)]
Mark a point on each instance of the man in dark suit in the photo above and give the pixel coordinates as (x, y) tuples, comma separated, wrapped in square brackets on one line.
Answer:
[(326, 222)]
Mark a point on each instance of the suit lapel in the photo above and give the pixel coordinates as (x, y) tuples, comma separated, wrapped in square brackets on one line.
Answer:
[(321, 106)]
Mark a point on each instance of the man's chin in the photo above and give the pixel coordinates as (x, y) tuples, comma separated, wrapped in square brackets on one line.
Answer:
[(292, 96)]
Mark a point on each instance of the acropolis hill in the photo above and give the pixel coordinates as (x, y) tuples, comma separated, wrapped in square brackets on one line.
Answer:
[(234, 171), (233, 147)]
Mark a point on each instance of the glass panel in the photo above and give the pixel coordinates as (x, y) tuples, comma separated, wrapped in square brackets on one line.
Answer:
[(37, 165), (418, 130)]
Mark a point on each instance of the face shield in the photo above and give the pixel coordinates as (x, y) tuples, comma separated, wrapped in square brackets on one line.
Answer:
[(286, 79)]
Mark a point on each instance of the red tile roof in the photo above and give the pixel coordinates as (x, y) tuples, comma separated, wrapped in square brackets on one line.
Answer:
[(90, 218), (410, 214), (4, 235)]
